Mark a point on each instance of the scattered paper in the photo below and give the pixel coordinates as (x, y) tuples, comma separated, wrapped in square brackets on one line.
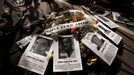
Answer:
[(106, 21), (100, 46), (23, 42), (109, 33), (120, 18), (37, 54), (105, 30), (67, 55)]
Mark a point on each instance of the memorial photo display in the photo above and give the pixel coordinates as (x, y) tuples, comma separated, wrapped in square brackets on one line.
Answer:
[(41, 46), (66, 47)]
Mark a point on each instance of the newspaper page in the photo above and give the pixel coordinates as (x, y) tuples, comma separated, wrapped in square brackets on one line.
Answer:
[(67, 55), (23, 42), (105, 30), (106, 21), (100, 46), (37, 54)]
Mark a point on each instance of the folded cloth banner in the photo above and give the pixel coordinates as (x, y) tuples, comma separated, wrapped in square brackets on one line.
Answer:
[(65, 26)]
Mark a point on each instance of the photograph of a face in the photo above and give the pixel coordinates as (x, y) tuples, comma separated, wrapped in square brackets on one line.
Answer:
[(97, 41), (41, 46), (66, 47)]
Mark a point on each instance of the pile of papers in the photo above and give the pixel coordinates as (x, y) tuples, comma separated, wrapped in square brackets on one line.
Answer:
[(67, 50)]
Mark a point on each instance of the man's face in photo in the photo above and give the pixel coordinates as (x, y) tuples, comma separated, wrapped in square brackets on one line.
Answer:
[(66, 43), (41, 44)]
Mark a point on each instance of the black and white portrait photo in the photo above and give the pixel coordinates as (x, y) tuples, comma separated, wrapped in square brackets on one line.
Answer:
[(41, 46), (66, 47), (65, 52), (37, 54), (99, 42)]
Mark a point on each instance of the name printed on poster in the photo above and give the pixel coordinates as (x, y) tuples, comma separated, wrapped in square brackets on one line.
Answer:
[(66, 26)]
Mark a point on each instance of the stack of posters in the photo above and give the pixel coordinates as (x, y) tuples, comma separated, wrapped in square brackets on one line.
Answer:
[(66, 55), (116, 38)]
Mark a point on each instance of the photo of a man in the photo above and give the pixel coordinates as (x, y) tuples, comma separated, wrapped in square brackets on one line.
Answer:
[(41, 46), (66, 47), (97, 41)]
